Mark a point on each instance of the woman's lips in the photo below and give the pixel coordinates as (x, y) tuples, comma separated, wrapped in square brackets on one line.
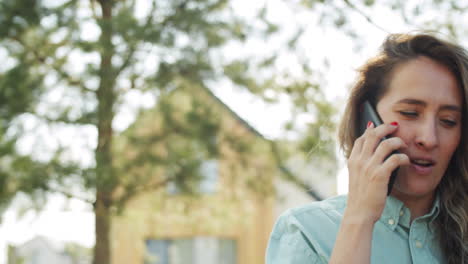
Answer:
[(421, 164), (422, 170)]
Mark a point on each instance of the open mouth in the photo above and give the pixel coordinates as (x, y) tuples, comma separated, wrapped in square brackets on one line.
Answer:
[(422, 166), (423, 162)]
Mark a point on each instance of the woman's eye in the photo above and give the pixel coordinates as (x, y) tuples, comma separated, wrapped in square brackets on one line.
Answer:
[(449, 123), (409, 113)]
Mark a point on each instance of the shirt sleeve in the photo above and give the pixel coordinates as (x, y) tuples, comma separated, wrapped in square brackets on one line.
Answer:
[(288, 245)]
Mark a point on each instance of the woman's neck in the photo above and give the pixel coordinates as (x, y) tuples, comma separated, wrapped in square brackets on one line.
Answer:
[(418, 205)]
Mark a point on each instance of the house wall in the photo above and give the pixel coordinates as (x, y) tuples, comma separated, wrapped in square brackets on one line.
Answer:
[(241, 209), (248, 222)]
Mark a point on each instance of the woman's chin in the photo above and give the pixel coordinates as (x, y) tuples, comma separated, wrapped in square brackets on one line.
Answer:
[(413, 189), (412, 184)]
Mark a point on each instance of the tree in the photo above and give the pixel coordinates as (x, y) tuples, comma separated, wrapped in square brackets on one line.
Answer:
[(20, 85), (72, 63), (80, 59), (360, 18)]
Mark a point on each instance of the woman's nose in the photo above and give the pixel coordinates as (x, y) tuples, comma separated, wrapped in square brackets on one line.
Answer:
[(427, 135)]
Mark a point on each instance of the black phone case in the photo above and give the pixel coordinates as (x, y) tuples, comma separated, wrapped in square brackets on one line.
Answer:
[(369, 114)]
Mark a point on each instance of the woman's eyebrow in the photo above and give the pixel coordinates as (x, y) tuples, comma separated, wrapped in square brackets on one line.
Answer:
[(451, 108), (412, 101)]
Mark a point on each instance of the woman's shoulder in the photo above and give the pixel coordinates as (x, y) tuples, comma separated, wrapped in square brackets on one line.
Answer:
[(312, 227), (308, 217), (333, 207)]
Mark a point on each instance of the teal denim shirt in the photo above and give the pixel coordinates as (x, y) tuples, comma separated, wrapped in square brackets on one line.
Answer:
[(307, 234)]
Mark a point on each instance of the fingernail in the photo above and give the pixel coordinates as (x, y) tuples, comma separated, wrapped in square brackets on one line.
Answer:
[(394, 123), (369, 123)]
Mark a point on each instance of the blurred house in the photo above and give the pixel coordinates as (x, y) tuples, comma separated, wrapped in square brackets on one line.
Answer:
[(229, 222), (41, 250)]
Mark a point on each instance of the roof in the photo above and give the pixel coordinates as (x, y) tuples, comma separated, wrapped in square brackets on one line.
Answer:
[(235, 115), (287, 172)]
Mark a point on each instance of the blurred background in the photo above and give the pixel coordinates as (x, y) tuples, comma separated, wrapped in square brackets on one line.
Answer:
[(176, 131)]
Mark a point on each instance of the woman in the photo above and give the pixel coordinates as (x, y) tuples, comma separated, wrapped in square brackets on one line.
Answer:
[(419, 87)]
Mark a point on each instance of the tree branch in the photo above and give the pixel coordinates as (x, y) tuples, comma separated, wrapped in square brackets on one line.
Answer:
[(69, 194), (93, 9), (79, 121), (368, 18), (69, 79), (130, 54), (130, 192), (290, 175), (64, 75)]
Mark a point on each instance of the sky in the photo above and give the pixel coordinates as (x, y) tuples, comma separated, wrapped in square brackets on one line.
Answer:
[(73, 220)]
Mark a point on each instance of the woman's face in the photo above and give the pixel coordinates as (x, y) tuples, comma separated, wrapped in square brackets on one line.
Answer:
[(425, 100)]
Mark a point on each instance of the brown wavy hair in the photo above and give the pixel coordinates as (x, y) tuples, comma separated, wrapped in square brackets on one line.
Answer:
[(372, 82)]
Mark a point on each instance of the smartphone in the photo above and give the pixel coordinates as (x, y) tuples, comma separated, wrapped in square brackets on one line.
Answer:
[(367, 114)]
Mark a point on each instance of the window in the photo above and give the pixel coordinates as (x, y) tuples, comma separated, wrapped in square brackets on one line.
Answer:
[(209, 172), (198, 250), (208, 184)]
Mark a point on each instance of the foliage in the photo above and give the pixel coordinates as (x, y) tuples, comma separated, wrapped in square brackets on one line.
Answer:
[(74, 63), (347, 16)]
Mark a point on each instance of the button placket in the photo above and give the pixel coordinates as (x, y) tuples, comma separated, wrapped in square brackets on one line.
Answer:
[(417, 239), (418, 243)]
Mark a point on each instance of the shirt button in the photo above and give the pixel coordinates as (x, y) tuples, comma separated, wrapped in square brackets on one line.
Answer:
[(401, 212), (418, 244), (391, 221)]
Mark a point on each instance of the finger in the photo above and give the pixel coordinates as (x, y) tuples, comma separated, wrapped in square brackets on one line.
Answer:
[(357, 146), (386, 147), (373, 136), (359, 142), (393, 162)]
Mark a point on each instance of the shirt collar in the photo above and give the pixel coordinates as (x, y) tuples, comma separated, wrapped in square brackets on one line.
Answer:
[(432, 215), (396, 213)]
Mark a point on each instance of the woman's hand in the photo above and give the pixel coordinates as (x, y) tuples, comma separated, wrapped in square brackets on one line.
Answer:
[(369, 172)]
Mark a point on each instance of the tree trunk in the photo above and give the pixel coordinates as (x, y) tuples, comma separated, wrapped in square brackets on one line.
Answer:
[(105, 180), (103, 224)]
